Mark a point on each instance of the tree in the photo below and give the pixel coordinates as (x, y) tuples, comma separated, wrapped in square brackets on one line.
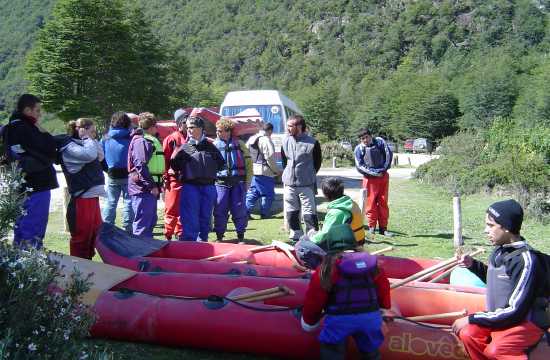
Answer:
[(95, 57), (321, 110)]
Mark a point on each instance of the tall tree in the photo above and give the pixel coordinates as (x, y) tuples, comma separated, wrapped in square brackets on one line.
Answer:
[(95, 57)]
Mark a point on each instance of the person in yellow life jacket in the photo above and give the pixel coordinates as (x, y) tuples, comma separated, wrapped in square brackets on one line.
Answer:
[(143, 188), (156, 164), (341, 210)]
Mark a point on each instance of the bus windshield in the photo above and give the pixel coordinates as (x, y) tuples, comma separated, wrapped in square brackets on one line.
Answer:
[(270, 113)]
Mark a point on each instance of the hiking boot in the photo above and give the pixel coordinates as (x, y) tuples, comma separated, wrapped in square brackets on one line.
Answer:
[(219, 237), (240, 238)]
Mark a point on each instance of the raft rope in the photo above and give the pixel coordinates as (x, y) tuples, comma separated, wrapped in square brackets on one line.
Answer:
[(217, 298), (213, 298)]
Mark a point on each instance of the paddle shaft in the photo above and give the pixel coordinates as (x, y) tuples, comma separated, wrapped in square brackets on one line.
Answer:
[(386, 249), (258, 293), (439, 316), (443, 275), (431, 270)]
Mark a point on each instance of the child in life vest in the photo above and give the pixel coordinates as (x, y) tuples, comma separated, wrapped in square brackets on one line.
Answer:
[(349, 289)]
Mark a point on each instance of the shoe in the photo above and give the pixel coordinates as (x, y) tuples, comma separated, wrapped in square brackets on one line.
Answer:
[(371, 231), (250, 217), (265, 217), (240, 238), (219, 237), (385, 232)]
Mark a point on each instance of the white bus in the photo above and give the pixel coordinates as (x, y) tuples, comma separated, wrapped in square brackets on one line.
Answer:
[(273, 106)]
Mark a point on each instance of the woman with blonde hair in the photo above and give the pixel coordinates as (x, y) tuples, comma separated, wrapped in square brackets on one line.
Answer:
[(81, 157)]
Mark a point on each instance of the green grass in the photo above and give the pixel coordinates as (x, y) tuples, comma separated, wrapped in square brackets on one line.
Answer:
[(420, 217)]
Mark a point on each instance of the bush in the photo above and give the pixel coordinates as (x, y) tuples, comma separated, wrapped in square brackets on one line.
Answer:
[(332, 149), (11, 198), (506, 156), (37, 319)]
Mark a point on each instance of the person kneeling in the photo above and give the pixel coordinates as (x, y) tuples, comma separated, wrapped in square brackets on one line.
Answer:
[(341, 286)]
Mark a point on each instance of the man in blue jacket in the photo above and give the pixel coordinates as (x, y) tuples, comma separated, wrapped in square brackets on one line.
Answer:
[(373, 159), (115, 147)]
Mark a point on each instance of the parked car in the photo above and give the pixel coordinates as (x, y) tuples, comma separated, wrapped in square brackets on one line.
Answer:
[(408, 146), (422, 145), (346, 145)]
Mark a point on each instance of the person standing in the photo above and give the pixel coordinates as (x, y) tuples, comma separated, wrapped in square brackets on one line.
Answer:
[(172, 186), (115, 147), (231, 181), (81, 157), (514, 282), (142, 186), (35, 151), (265, 170), (302, 158), (373, 158), (196, 164)]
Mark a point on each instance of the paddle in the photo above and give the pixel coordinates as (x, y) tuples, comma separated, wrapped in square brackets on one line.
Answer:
[(431, 270), (448, 315), (386, 249)]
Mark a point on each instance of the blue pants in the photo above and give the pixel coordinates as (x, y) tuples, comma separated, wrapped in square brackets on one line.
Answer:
[(366, 329), (115, 188), (196, 205), (263, 188), (145, 210), (30, 229), (230, 199)]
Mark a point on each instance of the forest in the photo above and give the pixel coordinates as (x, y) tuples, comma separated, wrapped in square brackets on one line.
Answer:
[(471, 75)]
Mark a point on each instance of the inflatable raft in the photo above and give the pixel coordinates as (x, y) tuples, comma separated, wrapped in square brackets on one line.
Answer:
[(117, 247), (203, 310)]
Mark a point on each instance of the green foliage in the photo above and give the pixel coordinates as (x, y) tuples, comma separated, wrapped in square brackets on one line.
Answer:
[(332, 149), (508, 156), (11, 198), (322, 111), (95, 57), (37, 319)]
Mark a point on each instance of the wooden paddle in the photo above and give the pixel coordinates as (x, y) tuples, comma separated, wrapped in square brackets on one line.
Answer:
[(448, 315), (443, 275), (431, 270), (386, 249)]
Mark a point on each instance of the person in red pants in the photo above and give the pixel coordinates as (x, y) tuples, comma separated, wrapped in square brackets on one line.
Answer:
[(511, 323), (81, 157), (172, 224), (373, 158)]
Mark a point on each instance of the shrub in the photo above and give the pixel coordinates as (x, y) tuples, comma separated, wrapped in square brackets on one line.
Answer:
[(332, 149), (11, 198), (37, 319)]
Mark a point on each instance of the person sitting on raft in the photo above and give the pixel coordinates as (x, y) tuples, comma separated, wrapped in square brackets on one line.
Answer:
[(510, 326), (341, 210), (344, 274)]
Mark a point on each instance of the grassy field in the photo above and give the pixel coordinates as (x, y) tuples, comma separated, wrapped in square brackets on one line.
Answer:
[(420, 218)]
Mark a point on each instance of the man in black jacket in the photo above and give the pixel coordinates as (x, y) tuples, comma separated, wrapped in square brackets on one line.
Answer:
[(35, 151), (513, 277)]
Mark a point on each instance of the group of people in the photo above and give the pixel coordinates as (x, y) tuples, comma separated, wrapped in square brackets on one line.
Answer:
[(204, 179)]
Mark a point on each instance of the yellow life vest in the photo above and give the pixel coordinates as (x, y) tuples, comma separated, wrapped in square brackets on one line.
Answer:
[(357, 223), (156, 163)]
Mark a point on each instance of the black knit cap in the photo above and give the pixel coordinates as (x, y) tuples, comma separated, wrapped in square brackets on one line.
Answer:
[(507, 213)]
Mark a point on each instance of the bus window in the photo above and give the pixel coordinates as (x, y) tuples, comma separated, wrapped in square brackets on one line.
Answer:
[(269, 113)]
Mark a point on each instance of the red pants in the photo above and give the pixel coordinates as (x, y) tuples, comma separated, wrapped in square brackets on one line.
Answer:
[(84, 221), (504, 344), (172, 222), (376, 209)]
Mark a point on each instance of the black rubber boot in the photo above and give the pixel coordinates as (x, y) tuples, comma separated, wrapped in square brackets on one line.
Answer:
[(219, 236), (312, 222), (240, 238)]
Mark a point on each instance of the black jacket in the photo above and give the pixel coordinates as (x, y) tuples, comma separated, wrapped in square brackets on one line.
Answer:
[(38, 152)]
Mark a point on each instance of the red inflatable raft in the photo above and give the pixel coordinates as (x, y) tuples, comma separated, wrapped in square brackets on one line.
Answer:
[(116, 247), (199, 310)]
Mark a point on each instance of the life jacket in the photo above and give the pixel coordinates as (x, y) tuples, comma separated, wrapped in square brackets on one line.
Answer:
[(156, 163), (200, 166), (356, 222), (355, 290), (89, 176), (255, 153), (374, 155), (234, 158)]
